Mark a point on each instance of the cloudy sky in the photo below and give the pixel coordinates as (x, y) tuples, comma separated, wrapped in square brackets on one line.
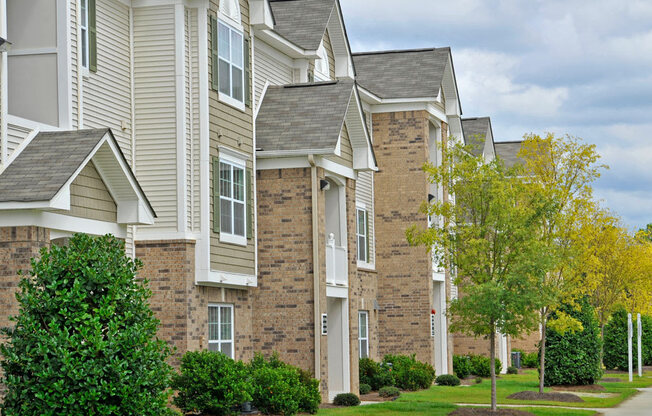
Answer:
[(582, 68)]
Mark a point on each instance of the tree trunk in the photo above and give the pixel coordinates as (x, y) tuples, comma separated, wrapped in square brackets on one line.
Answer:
[(542, 362), (602, 343), (492, 351)]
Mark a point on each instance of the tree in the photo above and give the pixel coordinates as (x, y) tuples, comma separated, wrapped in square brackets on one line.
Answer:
[(84, 341), (561, 169), (489, 238)]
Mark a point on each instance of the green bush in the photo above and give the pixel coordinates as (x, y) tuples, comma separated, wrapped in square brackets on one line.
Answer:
[(346, 399), (646, 339), (364, 388), (478, 380), (530, 360), (447, 380), (461, 366), (84, 341), (481, 365), (375, 374), (512, 370), (211, 382), (574, 357), (410, 374), (389, 391), (615, 341), (280, 388)]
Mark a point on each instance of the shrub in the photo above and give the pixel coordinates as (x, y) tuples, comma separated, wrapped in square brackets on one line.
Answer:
[(346, 399), (375, 374), (280, 388), (478, 380), (461, 366), (364, 388), (211, 382), (574, 357), (389, 391), (512, 370), (84, 340), (447, 380), (615, 341), (646, 339), (410, 374), (481, 365), (530, 360)]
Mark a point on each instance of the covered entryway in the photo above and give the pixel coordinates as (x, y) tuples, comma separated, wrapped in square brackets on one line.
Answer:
[(338, 347)]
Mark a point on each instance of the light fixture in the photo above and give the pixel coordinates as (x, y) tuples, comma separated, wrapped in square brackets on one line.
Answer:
[(324, 185), (5, 45), (430, 197)]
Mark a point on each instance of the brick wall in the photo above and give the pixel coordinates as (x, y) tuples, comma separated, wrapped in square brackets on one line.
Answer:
[(182, 306), (17, 247), (284, 318), (528, 342), (404, 273)]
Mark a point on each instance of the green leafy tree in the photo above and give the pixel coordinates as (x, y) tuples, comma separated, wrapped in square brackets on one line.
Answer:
[(490, 239), (84, 341)]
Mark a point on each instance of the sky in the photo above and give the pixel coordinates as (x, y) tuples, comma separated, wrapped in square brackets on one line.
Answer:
[(582, 68)]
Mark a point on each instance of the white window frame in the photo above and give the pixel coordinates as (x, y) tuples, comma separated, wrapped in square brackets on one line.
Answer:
[(237, 163), (219, 342), (365, 263), (364, 314), (83, 30), (224, 97), (323, 57)]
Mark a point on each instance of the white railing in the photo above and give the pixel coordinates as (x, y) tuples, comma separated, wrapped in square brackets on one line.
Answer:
[(336, 263)]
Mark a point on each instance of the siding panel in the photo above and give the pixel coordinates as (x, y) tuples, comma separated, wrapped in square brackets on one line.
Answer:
[(89, 197), (346, 151), (364, 193), (269, 69)]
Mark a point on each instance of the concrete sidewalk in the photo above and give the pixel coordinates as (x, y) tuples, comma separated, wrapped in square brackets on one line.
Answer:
[(639, 405)]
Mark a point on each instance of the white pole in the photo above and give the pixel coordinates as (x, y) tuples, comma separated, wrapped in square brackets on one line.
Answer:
[(630, 333), (639, 334)]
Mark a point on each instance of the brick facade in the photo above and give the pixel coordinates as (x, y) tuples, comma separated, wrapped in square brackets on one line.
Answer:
[(528, 342), (182, 306), (405, 288), (18, 245)]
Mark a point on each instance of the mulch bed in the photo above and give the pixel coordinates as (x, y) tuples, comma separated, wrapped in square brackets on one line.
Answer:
[(553, 397), (375, 397), (585, 387), (482, 411), (611, 380)]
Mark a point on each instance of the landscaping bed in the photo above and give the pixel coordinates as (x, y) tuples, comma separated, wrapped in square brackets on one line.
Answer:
[(551, 397), (484, 411)]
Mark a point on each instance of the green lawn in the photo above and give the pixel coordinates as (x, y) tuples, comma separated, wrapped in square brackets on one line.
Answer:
[(440, 400)]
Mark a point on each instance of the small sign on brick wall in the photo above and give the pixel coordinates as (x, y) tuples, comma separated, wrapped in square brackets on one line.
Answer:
[(324, 324)]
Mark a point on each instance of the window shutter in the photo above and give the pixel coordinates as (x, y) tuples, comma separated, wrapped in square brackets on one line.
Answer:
[(216, 195), (247, 73), (214, 55), (250, 209), (92, 37), (366, 218)]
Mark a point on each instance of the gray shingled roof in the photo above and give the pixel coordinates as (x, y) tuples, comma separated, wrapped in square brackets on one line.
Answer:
[(302, 22), (46, 164), (475, 133), (402, 74), (302, 116), (508, 152)]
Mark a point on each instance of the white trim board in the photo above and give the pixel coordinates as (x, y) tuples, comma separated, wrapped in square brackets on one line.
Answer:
[(61, 222)]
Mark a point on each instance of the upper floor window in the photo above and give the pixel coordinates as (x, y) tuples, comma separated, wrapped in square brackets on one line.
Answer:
[(362, 235), (322, 65), (232, 202), (220, 329), (88, 32), (230, 62)]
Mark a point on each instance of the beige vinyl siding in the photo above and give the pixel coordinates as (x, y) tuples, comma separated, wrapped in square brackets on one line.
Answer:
[(107, 92), (15, 136), (346, 151), (329, 52), (364, 193), (368, 119), (234, 129), (89, 197), (73, 61), (155, 98), (269, 69)]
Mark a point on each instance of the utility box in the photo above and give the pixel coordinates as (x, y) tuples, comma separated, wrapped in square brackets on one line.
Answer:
[(516, 359)]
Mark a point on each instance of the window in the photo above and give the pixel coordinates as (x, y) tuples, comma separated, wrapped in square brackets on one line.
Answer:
[(232, 202), (231, 62), (322, 65), (88, 35), (362, 234), (220, 329), (363, 333)]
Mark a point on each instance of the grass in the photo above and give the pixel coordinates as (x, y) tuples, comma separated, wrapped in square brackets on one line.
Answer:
[(440, 400)]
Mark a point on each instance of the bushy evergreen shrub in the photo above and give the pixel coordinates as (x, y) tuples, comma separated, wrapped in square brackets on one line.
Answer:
[(377, 375), (346, 399), (84, 341), (210, 382), (389, 391), (447, 380), (574, 357), (461, 366), (512, 370), (364, 388), (615, 341), (646, 339), (530, 360), (410, 374), (481, 365)]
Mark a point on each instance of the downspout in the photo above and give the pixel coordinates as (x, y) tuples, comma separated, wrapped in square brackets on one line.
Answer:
[(3, 87), (315, 264)]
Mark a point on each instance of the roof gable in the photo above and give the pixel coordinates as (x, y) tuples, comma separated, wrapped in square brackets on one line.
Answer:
[(478, 135), (302, 22), (508, 152)]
